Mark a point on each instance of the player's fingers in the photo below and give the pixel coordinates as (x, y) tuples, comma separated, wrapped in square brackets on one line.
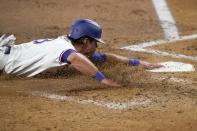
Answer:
[(159, 66), (110, 83)]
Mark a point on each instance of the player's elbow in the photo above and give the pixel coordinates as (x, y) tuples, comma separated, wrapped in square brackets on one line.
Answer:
[(72, 57)]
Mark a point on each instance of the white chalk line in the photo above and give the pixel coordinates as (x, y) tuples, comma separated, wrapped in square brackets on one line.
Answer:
[(171, 34), (170, 30), (141, 47), (172, 54), (160, 42), (166, 20), (132, 104)]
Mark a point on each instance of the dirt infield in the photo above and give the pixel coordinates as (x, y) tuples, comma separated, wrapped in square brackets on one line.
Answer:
[(63, 99)]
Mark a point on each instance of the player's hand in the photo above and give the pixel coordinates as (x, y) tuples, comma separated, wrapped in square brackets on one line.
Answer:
[(110, 83), (150, 66)]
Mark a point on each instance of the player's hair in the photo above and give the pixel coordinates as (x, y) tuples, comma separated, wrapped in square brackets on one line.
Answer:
[(80, 40)]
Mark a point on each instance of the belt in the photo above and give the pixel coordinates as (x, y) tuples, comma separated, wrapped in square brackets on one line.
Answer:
[(5, 49)]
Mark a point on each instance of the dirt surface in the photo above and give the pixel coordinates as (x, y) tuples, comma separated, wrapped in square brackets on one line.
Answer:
[(173, 104), (184, 47), (185, 15)]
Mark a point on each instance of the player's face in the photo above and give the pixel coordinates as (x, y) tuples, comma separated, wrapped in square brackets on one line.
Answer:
[(91, 46)]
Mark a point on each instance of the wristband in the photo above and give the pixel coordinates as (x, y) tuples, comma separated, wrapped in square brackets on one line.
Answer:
[(99, 76), (134, 62)]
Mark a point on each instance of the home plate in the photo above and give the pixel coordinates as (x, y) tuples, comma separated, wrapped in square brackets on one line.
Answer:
[(171, 66)]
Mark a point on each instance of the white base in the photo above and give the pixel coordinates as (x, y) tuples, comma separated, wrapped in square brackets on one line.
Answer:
[(171, 66)]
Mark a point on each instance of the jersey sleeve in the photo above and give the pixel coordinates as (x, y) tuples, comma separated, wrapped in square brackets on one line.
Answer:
[(64, 56), (68, 49)]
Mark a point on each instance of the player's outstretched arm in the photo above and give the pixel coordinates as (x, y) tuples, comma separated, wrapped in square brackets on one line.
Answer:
[(133, 62), (81, 63)]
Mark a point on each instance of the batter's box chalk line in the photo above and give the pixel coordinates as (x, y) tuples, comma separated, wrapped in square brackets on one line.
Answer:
[(172, 36), (141, 47), (170, 30), (131, 104), (166, 19)]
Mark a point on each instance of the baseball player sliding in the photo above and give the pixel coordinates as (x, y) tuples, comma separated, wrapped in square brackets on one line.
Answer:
[(32, 58)]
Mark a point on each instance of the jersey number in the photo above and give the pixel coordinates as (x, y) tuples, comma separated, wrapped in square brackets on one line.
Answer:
[(40, 41)]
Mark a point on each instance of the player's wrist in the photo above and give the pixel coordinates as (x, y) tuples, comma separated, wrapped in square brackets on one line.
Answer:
[(134, 62), (99, 76)]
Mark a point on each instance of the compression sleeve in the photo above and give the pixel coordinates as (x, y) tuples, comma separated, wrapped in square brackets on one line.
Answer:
[(98, 57)]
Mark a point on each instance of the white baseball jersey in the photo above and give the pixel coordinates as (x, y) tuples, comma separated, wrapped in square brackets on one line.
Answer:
[(37, 56)]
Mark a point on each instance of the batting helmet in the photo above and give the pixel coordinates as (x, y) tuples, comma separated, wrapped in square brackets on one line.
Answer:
[(86, 27)]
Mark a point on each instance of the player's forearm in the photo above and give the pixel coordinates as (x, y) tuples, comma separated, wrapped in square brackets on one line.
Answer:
[(82, 64), (116, 58), (122, 59)]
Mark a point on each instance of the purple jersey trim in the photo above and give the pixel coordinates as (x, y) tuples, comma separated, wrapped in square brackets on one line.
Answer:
[(64, 55), (99, 57)]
